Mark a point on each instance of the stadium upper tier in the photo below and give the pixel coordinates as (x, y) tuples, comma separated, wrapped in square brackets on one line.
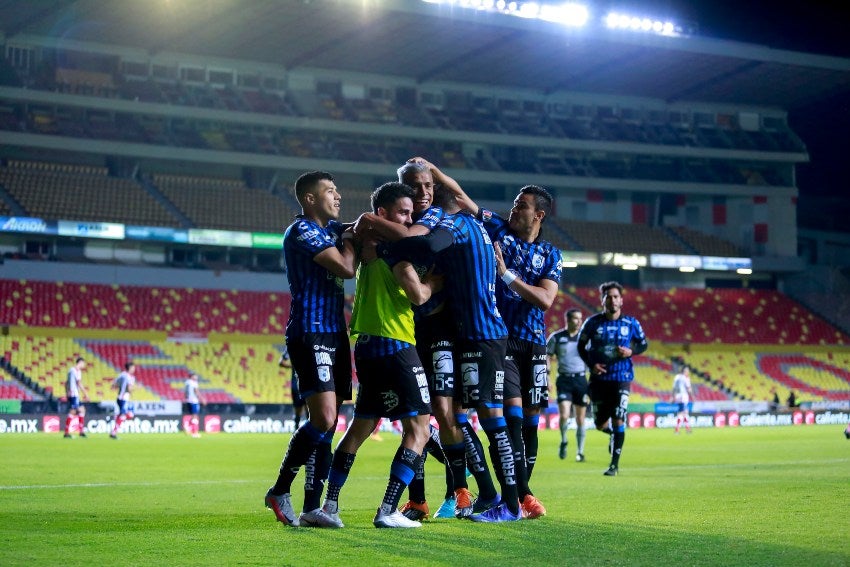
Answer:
[(467, 112), (294, 141)]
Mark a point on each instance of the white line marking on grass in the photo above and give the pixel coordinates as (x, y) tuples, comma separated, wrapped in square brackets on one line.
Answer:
[(149, 483)]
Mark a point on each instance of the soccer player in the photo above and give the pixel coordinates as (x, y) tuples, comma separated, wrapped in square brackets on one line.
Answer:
[(463, 250), (319, 254), (124, 383), (392, 381), (456, 441), (606, 343), (682, 396), (73, 389), (299, 405), (571, 382), (192, 400), (529, 270)]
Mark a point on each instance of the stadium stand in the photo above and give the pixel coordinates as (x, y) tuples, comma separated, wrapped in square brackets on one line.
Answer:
[(98, 306), (620, 237), (224, 203), (229, 372), (65, 191)]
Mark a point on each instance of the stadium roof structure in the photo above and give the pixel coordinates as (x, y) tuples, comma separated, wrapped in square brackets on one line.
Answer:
[(440, 43)]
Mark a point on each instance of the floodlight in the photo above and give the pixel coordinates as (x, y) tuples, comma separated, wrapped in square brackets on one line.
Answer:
[(687, 269), (630, 267), (744, 271)]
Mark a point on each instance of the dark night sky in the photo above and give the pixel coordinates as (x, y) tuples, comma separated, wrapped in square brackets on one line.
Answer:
[(819, 27)]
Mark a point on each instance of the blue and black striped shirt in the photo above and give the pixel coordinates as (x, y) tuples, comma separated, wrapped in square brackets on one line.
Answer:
[(317, 295), (532, 261), (599, 338), (470, 268)]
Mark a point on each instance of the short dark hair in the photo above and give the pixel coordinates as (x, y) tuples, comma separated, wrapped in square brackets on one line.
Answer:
[(127, 365), (308, 181), (79, 360), (542, 199), (571, 311), (389, 193), (605, 287)]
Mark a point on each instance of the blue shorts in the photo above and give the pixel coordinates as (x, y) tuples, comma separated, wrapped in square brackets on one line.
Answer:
[(191, 408), (74, 402)]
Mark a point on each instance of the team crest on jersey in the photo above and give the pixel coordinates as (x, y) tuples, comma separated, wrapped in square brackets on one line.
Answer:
[(624, 331), (486, 215), (537, 261)]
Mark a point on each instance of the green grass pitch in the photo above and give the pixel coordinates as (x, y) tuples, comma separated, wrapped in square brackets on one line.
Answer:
[(744, 496)]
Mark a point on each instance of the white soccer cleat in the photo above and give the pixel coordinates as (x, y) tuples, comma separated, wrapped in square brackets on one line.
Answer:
[(282, 507), (394, 520), (318, 518)]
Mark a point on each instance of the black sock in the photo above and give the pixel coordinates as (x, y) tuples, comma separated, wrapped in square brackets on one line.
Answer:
[(416, 488), (340, 467), (314, 480), (514, 428), (301, 446), (619, 439), (503, 460), (475, 460), (456, 468), (529, 437), (403, 468)]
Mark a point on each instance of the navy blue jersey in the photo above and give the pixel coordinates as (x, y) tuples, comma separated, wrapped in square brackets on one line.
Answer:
[(430, 217), (470, 284), (532, 261), (599, 338), (317, 295)]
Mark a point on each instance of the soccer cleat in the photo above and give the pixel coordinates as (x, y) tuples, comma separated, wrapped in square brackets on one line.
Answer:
[(282, 507), (463, 503), (612, 471), (579, 457), (414, 510), (562, 451), (447, 508), (83, 434), (318, 518), (482, 505), (68, 436), (847, 432), (500, 513), (394, 520), (113, 436), (531, 507)]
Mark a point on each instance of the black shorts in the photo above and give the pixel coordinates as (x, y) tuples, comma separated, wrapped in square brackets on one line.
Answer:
[(298, 400), (435, 345), (573, 388), (610, 400), (392, 386), (322, 362), (526, 373), (482, 371)]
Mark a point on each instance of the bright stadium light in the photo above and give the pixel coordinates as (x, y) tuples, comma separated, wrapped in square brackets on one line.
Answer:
[(744, 271), (565, 13), (643, 24), (687, 269)]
